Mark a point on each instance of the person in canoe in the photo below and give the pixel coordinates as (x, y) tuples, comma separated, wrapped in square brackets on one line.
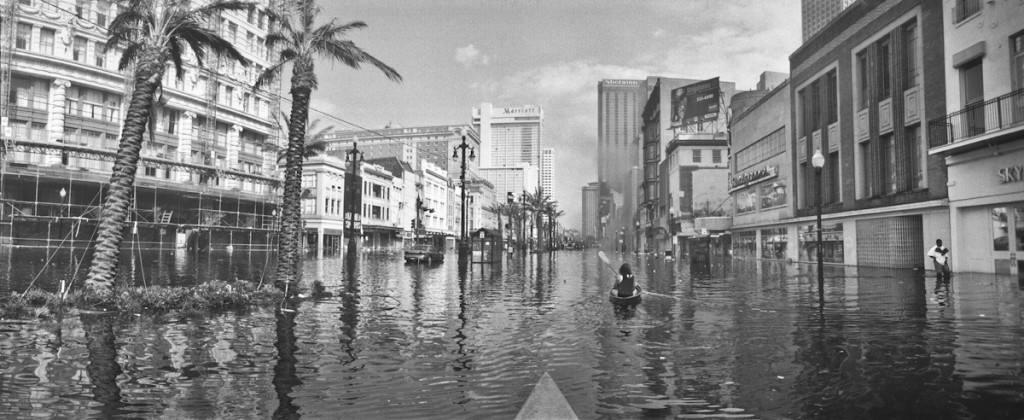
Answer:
[(626, 285)]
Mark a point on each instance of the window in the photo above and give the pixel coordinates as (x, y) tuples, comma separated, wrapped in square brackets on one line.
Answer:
[(46, 37), (831, 99), (101, 57), (911, 69), (867, 187), (973, 89), (23, 37), (150, 171), (916, 167), (245, 101), (814, 108), (82, 9), (78, 49), (965, 9), (696, 155), (229, 93), (1017, 61), (832, 172), (884, 69), (102, 10), (888, 164), (716, 156), (232, 32), (251, 15), (29, 92), (170, 120), (862, 80)]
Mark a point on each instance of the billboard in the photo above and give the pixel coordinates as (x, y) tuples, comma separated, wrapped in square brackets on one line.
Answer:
[(696, 103)]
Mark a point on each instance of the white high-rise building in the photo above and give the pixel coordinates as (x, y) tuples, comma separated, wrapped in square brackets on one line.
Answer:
[(509, 136), (547, 168)]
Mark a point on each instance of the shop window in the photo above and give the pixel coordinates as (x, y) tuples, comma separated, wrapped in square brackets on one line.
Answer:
[(774, 243), (1000, 230), (832, 243)]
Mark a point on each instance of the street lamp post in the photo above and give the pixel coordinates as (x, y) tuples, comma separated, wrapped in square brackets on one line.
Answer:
[(818, 161), (354, 157), (463, 243)]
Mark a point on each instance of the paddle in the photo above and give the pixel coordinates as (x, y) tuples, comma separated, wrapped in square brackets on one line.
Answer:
[(603, 257)]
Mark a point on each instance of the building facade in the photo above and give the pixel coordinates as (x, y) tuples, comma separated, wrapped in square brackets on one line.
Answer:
[(761, 177), (509, 136), (590, 211), (981, 137), (433, 143), (653, 216), (515, 180), (862, 90), (547, 171), (206, 181)]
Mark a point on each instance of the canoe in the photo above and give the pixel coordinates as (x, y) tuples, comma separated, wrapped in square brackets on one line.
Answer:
[(546, 402), (613, 296)]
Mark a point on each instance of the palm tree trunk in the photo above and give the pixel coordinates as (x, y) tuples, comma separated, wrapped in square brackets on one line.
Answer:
[(110, 231), (291, 214)]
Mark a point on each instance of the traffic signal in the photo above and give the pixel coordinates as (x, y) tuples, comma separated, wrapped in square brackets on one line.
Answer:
[(413, 223), (511, 197)]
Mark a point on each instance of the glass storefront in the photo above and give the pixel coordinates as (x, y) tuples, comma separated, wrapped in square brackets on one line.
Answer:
[(744, 244), (773, 243), (832, 243)]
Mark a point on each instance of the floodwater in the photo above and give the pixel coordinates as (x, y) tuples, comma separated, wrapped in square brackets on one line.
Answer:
[(733, 339)]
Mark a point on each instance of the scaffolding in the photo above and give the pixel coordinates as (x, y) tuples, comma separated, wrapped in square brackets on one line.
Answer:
[(8, 18)]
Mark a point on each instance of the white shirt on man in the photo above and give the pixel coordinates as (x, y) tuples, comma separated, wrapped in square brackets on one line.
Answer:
[(939, 253)]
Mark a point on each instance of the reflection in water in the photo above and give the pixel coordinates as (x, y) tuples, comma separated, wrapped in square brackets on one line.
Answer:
[(462, 361), (103, 368), (730, 338), (285, 379)]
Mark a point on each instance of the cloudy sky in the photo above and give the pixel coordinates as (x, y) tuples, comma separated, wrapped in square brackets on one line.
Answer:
[(456, 54)]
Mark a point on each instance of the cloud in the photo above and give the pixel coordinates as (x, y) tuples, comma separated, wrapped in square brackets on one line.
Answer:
[(470, 55)]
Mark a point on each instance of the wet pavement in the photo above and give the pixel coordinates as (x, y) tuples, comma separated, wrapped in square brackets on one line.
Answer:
[(733, 339)]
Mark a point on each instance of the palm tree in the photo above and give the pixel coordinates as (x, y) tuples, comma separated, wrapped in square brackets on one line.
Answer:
[(553, 214), (154, 33), (537, 202), (300, 43)]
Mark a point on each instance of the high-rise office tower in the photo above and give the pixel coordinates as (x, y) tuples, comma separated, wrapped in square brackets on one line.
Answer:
[(509, 136), (591, 203), (816, 14)]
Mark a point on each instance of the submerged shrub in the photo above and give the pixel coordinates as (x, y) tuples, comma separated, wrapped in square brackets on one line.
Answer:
[(214, 296)]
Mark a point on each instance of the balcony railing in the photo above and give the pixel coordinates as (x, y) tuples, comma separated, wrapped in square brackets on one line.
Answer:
[(965, 9), (979, 119)]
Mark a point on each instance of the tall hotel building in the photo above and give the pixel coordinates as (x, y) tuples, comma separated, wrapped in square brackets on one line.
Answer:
[(205, 180), (547, 170), (509, 138), (620, 104)]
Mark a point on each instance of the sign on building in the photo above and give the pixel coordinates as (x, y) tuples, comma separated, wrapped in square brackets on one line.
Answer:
[(696, 103)]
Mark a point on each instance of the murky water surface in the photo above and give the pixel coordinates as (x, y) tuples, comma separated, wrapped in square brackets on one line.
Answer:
[(736, 339)]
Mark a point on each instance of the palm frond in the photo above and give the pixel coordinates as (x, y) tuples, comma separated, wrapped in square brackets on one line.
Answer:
[(347, 52), (129, 55)]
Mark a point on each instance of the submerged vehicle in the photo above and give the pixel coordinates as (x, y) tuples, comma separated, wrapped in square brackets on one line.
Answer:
[(424, 250)]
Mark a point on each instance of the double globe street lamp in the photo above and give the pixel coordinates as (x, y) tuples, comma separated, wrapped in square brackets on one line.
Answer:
[(463, 241)]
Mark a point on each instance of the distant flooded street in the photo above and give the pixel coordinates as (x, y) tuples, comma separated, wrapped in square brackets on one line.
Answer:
[(735, 338)]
